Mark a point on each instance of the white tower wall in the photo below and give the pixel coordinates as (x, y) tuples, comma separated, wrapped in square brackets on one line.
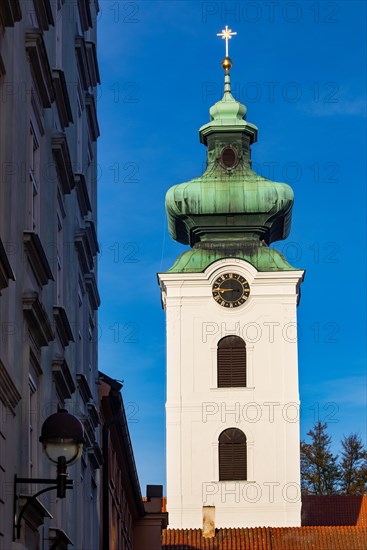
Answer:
[(267, 410)]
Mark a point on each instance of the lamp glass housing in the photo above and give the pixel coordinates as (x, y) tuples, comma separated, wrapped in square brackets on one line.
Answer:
[(69, 448)]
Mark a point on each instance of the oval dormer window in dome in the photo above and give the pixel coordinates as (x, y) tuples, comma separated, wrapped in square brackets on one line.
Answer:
[(229, 157)]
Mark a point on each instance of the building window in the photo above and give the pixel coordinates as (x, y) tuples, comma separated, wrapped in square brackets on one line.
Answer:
[(232, 455), (34, 165), (231, 362)]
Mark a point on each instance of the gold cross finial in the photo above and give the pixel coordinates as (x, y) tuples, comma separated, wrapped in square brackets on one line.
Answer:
[(226, 34)]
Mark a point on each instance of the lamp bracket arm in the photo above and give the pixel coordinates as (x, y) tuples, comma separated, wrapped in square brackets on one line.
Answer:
[(17, 480)]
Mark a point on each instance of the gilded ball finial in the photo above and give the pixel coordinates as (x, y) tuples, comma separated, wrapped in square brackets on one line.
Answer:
[(227, 64)]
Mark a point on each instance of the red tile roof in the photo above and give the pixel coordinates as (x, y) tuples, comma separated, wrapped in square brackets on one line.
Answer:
[(268, 538), (334, 510)]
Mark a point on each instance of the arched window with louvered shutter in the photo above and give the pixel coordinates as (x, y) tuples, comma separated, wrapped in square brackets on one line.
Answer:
[(231, 362), (232, 455)]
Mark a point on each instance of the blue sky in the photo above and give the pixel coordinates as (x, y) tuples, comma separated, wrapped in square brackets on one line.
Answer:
[(300, 69)]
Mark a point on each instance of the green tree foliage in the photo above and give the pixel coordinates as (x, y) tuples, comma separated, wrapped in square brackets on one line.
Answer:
[(320, 472), (323, 474), (353, 464)]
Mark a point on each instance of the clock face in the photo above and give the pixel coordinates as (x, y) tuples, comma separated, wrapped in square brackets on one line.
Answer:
[(230, 290)]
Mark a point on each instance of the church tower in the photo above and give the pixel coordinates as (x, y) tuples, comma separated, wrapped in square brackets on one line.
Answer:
[(232, 410)]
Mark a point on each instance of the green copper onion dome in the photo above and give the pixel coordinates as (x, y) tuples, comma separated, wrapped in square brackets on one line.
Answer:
[(229, 211)]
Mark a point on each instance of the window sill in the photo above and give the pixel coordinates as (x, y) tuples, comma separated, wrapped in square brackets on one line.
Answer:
[(233, 388), (234, 481)]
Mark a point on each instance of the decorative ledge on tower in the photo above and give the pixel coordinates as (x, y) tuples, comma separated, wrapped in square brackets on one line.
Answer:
[(229, 211)]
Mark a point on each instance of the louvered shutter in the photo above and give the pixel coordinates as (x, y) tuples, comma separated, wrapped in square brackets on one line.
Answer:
[(232, 455), (231, 362)]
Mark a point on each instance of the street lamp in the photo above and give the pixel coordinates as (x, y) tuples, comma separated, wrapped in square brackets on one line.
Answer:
[(62, 438)]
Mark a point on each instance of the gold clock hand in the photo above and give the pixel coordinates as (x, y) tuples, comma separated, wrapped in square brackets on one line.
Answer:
[(225, 290)]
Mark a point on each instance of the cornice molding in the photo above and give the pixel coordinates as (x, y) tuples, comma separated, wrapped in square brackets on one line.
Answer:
[(63, 327), (44, 14), (37, 257), (84, 387), (9, 393), (37, 54), (58, 538), (81, 55), (62, 97), (92, 116), (10, 12), (6, 272), (93, 414), (85, 14), (87, 246), (92, 63), (82, 194), (88, 432), (60, 150), (38, 321), (2, 67), (93, 294), (84, 251), (35, 512), (92, 236), (223, 265), (63, 378), (95, 456), (38, 111)]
